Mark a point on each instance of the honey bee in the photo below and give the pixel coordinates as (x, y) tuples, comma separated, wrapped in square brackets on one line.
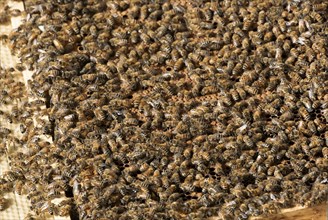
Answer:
[(316, 103), (282, 25), (295, 76), (179, 64), (236, 40), (320, 7), (248, 141), (279, 54), (65, 210), (325, 152), (227, 37), (310, 54), (270, 208), (117, 42), (251, 89), (319, 125), (261, 17), (100, 114), (4, 131), (234, 95), (4, 38), (175, 55), (322, 163), (247, 23), (225, 182), (294, 52), (3, 203), (276, 31), (59, 46), (304, 113), (245, 43), (248, 76), (316, 16)]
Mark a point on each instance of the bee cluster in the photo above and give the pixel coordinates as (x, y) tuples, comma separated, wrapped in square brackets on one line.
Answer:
[(173, 110), (11, 93)]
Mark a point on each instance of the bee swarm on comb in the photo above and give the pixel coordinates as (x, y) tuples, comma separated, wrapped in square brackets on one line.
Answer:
[(172, 110)]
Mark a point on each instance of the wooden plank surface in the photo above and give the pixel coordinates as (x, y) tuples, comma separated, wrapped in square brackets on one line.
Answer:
[(318, 212)]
